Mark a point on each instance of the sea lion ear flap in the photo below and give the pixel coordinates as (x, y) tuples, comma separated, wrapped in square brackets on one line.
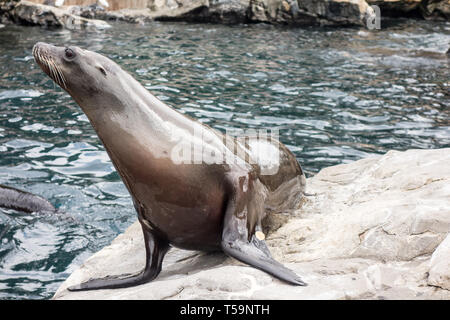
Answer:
[(101, 69)]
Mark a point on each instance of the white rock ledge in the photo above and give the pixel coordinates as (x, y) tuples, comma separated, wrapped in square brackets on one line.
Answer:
[(377, 228)]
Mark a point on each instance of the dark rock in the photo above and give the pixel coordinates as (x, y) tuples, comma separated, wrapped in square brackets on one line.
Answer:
[(436, 9), (5, 9), (398, 8), (311, 12), (428, 9), (223, 11)]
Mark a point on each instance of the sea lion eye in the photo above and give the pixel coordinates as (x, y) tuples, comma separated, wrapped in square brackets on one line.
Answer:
[(101, 70), (69, 53)]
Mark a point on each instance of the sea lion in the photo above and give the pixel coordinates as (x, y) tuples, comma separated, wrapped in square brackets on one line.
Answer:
[(195, 205), (12, 198)]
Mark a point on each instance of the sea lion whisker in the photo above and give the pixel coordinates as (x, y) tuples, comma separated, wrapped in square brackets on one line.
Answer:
[(54, 72), (44, 62), (58, 74), (49, 64), (61, 76), (58, 68), (52, 68)]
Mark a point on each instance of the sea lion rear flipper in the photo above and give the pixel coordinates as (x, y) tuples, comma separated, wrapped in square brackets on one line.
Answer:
[(155, 249), (235, 243), (248, 252)]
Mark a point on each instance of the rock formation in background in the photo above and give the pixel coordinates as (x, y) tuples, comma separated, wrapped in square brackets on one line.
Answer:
[(291, 12), (311, 12), (29, 13), (436, 9), (398, 8), (428, 9)]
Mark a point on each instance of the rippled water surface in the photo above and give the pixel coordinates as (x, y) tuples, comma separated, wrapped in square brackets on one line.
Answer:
[(338, 95)]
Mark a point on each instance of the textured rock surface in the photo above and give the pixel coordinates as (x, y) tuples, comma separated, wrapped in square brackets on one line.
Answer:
[(225, 11), (5, 8), (307, 12), (436, 9), (439, 274), (293, 12), (158, 10), (374, 230), (29, 13)]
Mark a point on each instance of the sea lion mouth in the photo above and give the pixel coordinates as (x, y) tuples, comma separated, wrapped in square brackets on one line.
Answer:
[(47, 63)]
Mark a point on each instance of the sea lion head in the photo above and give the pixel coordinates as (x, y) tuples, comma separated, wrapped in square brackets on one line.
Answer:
[(87, 76)]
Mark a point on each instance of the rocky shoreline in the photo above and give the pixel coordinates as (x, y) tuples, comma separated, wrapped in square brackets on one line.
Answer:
[(288, 12), (377, 228)]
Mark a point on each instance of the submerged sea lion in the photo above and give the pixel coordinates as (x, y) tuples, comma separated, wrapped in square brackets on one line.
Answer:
[(217, 203), (12, 198)]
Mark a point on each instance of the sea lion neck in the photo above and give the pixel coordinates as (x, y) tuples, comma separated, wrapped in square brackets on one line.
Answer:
[(125, 108), (139, 119)]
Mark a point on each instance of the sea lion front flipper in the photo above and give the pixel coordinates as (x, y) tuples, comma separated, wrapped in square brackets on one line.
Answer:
[(155, 249), (235, 243)]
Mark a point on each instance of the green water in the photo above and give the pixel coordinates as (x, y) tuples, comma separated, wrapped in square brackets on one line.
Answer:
[(337, 95)]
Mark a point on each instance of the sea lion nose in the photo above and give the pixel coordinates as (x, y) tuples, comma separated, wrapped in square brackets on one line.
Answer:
[(39, 45), (43, 46), (42, 50)]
